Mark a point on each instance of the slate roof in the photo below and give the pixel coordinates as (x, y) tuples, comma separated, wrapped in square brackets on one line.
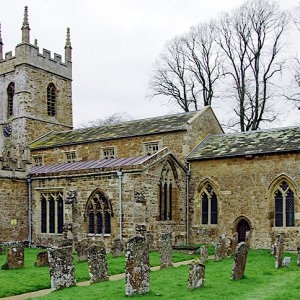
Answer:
[(176, 122), (247, 143), (89, 165)]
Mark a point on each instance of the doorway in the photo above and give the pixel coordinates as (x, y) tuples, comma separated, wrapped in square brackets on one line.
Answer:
[(241, 229)]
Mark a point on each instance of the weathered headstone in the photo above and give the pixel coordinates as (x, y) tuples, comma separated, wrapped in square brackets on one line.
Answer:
[(196, 275), (298, 256), (2, 250), (247, 238), (97, 263), (137, 266), (165, 250), (286, 262), (42, 259), (15, 257), (218, 252), (273, 244), (279, 250), (203, 253), (61, 264), (117, 247), (234, 243), (240, 260), (149, 240), (82, 249), (67, 236)]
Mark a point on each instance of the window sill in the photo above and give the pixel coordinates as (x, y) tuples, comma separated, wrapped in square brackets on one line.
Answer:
[(99, 235), (50, 234), (278, 229)]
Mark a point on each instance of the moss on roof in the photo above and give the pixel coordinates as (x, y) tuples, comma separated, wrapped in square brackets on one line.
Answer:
[(148, 126), (248, 143)]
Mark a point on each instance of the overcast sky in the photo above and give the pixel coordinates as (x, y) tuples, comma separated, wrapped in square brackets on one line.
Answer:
[(115, 43)]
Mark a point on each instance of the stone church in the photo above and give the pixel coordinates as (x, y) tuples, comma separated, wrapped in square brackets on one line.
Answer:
[(178, 173)]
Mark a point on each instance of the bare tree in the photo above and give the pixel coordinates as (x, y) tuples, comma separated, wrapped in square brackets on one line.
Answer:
[(110, 120), (251, 39)]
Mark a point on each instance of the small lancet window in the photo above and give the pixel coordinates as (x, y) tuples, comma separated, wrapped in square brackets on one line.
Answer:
[(10, 99), (51, 99), (209, 205)]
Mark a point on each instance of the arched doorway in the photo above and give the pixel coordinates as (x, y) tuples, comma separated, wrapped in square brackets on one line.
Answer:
[(241, 229)]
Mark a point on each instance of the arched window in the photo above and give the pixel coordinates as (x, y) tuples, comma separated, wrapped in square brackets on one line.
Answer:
[(99, 214), (209, 205), (284, 205), (10, 99), (167, 193), (51, 99)]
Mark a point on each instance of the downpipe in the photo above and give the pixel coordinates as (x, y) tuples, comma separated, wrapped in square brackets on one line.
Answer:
[(120, 175)]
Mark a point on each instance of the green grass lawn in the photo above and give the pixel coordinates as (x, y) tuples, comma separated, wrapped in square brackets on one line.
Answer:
[(31, 278), (262, 281)]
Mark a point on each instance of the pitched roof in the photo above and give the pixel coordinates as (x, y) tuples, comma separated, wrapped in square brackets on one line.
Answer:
[(247, 143), (176, 122)]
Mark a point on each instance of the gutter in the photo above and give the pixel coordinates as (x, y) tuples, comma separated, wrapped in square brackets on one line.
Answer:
[(188, 175), (29, 210), (120, 174)]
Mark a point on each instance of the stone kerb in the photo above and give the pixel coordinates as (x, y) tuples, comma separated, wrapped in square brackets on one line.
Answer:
[(42, 259), (15, 257), (117, 247), (196, 275), (61, 265), (240, 260), (203, 253), (165, 250), (97, 263), (137, 266), (279, 250)]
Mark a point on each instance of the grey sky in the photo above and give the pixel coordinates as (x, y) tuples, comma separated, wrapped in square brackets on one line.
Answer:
[(115, 43)]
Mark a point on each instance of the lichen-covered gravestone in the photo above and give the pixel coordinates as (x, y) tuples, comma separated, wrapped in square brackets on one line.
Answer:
[(117, 247), (15, 257), (82, 250), (137, 266), (42, 259), (204, 253), (234, 243), (196, 275), (279, 250), (61, 264), (240, 260), (218, 252), (97, 262), (165, 250)]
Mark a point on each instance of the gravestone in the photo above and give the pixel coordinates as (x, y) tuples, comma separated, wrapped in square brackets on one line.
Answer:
[(203, 253), (2, 250), (240, 260), (15, 257), (67, 236), (218, 252), (298, 256), (82, 249), (279, 250), (273, 244), (137, 266), (247, 238), (234, 243), (196, 275), (97, 263), (286, 262), (165, 250), (61, 265), (149, 240), (141, 229), (117, 247), (42, 259)]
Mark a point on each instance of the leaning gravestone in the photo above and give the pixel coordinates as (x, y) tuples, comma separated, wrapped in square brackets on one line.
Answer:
[(165, 250), (234, 243), (97, 263), (196, 275), (240, 260), (298, 256), (61, 264), (247, 238), (137, 266), (42, 259), (117, 247), (15, 257), (82, 248), (204, 253), (279, 250)]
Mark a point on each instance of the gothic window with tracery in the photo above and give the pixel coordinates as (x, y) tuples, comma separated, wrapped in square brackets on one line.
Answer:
[(52, 212), (99, 214), (209, 205), (10, 98), (284, 205), (51, 99)]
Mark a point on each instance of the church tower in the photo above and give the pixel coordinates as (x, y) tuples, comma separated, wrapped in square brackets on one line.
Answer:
[(35, 95)]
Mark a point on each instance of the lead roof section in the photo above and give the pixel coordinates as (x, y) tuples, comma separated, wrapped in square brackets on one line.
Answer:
[(177, 122), (248, 143)]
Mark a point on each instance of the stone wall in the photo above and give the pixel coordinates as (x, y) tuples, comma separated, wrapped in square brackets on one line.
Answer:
[(244, 188)]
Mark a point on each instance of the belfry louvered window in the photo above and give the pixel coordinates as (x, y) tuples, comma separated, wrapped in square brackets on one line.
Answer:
[(51, 99), (209, 206), (284, 205), (99, 214), (52, 212), (10, 99)]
